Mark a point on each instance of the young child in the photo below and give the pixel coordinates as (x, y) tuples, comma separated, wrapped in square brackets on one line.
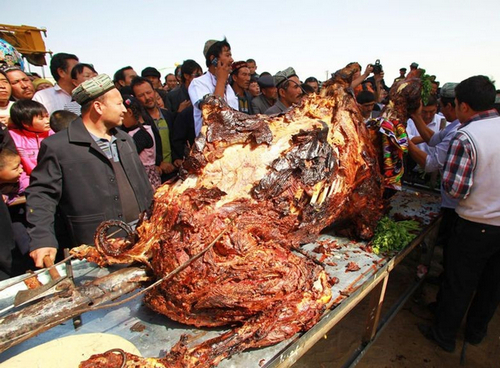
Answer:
[(31, 125), (12, 234), (143, 135), (60, 119)]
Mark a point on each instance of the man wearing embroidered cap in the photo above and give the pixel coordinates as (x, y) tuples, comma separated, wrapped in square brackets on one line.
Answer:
[(218, 59), (288, 84), (240, 81), (89, 173)]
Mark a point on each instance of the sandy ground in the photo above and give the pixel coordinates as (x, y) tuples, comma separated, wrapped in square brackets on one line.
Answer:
[(401, 344)]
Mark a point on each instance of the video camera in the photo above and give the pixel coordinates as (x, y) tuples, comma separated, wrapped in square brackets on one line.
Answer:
[(377, 67)]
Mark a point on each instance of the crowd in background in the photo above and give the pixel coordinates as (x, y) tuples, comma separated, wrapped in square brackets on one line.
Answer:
[(50, 133)]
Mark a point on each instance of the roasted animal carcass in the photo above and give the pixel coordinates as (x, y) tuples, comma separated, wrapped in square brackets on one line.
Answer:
[(268, 184)]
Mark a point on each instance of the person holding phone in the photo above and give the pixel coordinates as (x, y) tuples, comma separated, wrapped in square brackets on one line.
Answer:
[(219, 60)]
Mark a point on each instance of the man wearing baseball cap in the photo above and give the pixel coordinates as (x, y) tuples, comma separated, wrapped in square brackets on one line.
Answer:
[(90, 173)]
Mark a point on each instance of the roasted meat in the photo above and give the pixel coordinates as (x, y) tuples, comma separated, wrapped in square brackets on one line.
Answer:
[(269, 184)]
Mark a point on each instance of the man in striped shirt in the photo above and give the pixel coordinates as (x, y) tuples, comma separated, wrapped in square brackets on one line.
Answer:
[(471, 174)]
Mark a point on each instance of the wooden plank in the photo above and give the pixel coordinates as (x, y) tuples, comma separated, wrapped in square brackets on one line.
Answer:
[(376, 302)]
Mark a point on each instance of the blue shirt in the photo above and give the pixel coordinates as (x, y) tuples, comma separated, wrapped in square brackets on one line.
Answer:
[(435, 161)]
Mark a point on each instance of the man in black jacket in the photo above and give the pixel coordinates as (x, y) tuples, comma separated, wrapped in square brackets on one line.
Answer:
[(90, 172), (178, 99)]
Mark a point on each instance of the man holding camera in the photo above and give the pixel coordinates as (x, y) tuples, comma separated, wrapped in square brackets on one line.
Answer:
[(377, 80)]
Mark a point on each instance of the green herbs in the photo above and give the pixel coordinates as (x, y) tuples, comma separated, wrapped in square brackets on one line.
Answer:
[(426, 87), (393, 235)]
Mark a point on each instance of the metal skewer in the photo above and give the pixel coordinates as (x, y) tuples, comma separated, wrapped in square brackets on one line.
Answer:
[(36, 273), (166, 277)]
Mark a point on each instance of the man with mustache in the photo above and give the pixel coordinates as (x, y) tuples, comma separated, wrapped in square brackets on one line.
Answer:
[(143, 90), (89, 173), (22, 87)]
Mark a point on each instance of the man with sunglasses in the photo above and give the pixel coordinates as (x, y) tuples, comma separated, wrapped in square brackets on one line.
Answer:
[(289, 91)]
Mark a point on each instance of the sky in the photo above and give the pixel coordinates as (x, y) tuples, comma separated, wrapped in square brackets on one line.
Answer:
[(450, 39)]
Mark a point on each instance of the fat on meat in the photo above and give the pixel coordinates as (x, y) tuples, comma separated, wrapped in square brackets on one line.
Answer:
[(268, 185)]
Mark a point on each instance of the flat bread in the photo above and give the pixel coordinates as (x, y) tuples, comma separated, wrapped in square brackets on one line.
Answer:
[(69, 352)]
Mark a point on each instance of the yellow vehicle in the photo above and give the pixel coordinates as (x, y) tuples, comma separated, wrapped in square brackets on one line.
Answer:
[(27, 41)]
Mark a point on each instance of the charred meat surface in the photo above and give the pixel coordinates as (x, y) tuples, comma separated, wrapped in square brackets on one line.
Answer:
[(270, 184)]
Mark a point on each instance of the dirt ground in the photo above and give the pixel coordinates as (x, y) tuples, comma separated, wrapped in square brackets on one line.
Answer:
[(401, 344)]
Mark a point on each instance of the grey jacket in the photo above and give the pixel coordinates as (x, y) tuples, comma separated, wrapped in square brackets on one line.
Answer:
[(260, 104), (277, 108)]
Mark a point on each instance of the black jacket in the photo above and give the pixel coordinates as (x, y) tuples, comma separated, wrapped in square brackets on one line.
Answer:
[(76, 176), (183, 135), (176, 97)]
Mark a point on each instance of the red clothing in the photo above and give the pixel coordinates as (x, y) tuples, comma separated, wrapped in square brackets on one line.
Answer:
[(28, 145)]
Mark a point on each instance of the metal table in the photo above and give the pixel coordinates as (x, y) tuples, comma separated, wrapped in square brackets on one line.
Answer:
[(154, 334)]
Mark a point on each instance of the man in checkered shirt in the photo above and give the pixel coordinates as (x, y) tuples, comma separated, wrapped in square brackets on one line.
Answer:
[(471, 174)]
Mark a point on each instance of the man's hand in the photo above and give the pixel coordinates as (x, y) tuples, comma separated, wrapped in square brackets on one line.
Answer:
[(183, 105), (178, 162), (417, 113), (167, 167), (425, 132), (4, 120), (40, 253), (368, 70), (222, 72), (378, 77), (417, 140)]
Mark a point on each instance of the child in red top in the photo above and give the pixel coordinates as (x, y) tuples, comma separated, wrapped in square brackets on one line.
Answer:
[(31, 125)]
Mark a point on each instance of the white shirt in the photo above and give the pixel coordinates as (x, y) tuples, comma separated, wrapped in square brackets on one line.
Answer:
[(202, 86), (73, 107), (53, 99), (5, 113), (435, 125)]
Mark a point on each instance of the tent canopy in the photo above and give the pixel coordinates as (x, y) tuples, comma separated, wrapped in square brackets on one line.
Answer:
[(28, 41)]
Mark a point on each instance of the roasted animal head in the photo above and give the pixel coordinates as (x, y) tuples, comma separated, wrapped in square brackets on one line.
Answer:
[(405, 97), (267, 184)]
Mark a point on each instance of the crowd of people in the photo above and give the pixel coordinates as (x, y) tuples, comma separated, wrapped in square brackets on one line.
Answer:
[(90, 148)]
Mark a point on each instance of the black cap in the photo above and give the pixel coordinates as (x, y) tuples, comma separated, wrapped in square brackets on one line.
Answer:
[(150, 72), (266, 81)]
